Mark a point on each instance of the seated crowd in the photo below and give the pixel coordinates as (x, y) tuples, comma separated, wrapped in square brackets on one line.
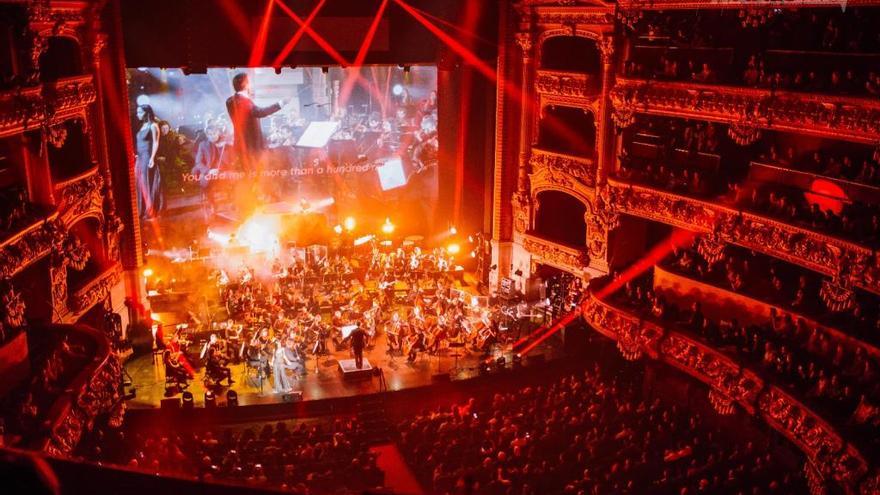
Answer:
[(766, 53), (855, 220), (591, 433), (865, 169), (308, 458), (827, 372), (672, 167)]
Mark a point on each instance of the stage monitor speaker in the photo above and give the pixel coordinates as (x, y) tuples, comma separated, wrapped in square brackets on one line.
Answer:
[(292, 397), (170, 403), (440, 378)]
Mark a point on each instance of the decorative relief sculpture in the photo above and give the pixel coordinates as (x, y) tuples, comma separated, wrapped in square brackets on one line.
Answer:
[(557, 255), (562, 170)]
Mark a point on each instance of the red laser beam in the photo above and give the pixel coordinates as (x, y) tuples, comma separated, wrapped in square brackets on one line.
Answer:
[(362, 54), (237, 17), (259, 48), (679, 238), (463, 30), (291, 44), (323, 43), (457, 47), (511, 89)]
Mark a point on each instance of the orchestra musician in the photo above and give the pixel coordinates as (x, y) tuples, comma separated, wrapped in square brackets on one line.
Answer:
[(287, 358), (215, 365)]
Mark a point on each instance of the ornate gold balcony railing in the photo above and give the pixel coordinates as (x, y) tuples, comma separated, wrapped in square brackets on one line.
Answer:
[(556, 254), (837, 117), (738, 4), (96, 290), (564, 171), (566, 83), (70, 96), (856, 264), (80, 194), (93, 391), (730, 382)]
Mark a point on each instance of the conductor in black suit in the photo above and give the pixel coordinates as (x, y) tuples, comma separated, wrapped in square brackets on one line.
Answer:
[(245, 116), (358, 342)]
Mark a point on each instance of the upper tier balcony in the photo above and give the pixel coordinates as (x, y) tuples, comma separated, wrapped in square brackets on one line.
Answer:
[(54, 102), (819, 252), (738, 4), (747, 109)]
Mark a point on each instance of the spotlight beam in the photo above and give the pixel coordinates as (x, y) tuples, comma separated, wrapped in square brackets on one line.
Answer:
[(291, 44), (361, 55), (259, 48), (237, 17)]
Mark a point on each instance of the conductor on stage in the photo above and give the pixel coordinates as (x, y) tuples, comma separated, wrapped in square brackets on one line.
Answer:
[(358, 342), (245, 116)]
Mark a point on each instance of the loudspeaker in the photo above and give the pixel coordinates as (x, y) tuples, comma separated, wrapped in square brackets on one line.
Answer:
[(292, 397), (440, 378), (171, 403)]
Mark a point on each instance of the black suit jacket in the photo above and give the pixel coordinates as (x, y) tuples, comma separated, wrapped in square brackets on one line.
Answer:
[(245, 116)]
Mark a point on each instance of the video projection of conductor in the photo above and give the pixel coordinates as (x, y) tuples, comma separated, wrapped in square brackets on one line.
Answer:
[(331, 142)]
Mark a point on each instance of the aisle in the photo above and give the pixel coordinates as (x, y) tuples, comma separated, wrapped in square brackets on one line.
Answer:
[(398, 477)]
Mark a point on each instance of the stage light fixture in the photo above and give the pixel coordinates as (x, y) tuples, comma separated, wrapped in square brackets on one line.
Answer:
[(453, 230), (397, 90), (337, 229), (148, 272), (231, 398), (188, 400), (388, 227), (349, 223), (210, 400), (277, 71), (453, 248), (325, 70)]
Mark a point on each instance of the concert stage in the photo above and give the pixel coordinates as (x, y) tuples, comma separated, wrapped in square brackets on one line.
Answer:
[(323, 379)]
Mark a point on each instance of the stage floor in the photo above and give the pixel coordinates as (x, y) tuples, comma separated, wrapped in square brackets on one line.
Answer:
[(323, 379)]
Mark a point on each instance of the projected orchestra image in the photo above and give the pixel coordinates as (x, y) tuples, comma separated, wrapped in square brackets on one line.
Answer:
[(288, 235)]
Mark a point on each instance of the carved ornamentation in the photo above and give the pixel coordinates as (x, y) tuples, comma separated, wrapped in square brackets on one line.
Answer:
[(95, 291), (813, 250), (524, 41), (568, 84), (722, 404), (743, 133), (838, 117), (521, 206), (38, 45), (56, 135), (623, 114), (837, 295), (556, 254), (82, 195), (76, 252), (11, 306), (573, 17), (606, 48), (565, 171), (711, 247), (31, 245)]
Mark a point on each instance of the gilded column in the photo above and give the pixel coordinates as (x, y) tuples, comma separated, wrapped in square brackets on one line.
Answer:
[(521, 197), (604, 149)]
